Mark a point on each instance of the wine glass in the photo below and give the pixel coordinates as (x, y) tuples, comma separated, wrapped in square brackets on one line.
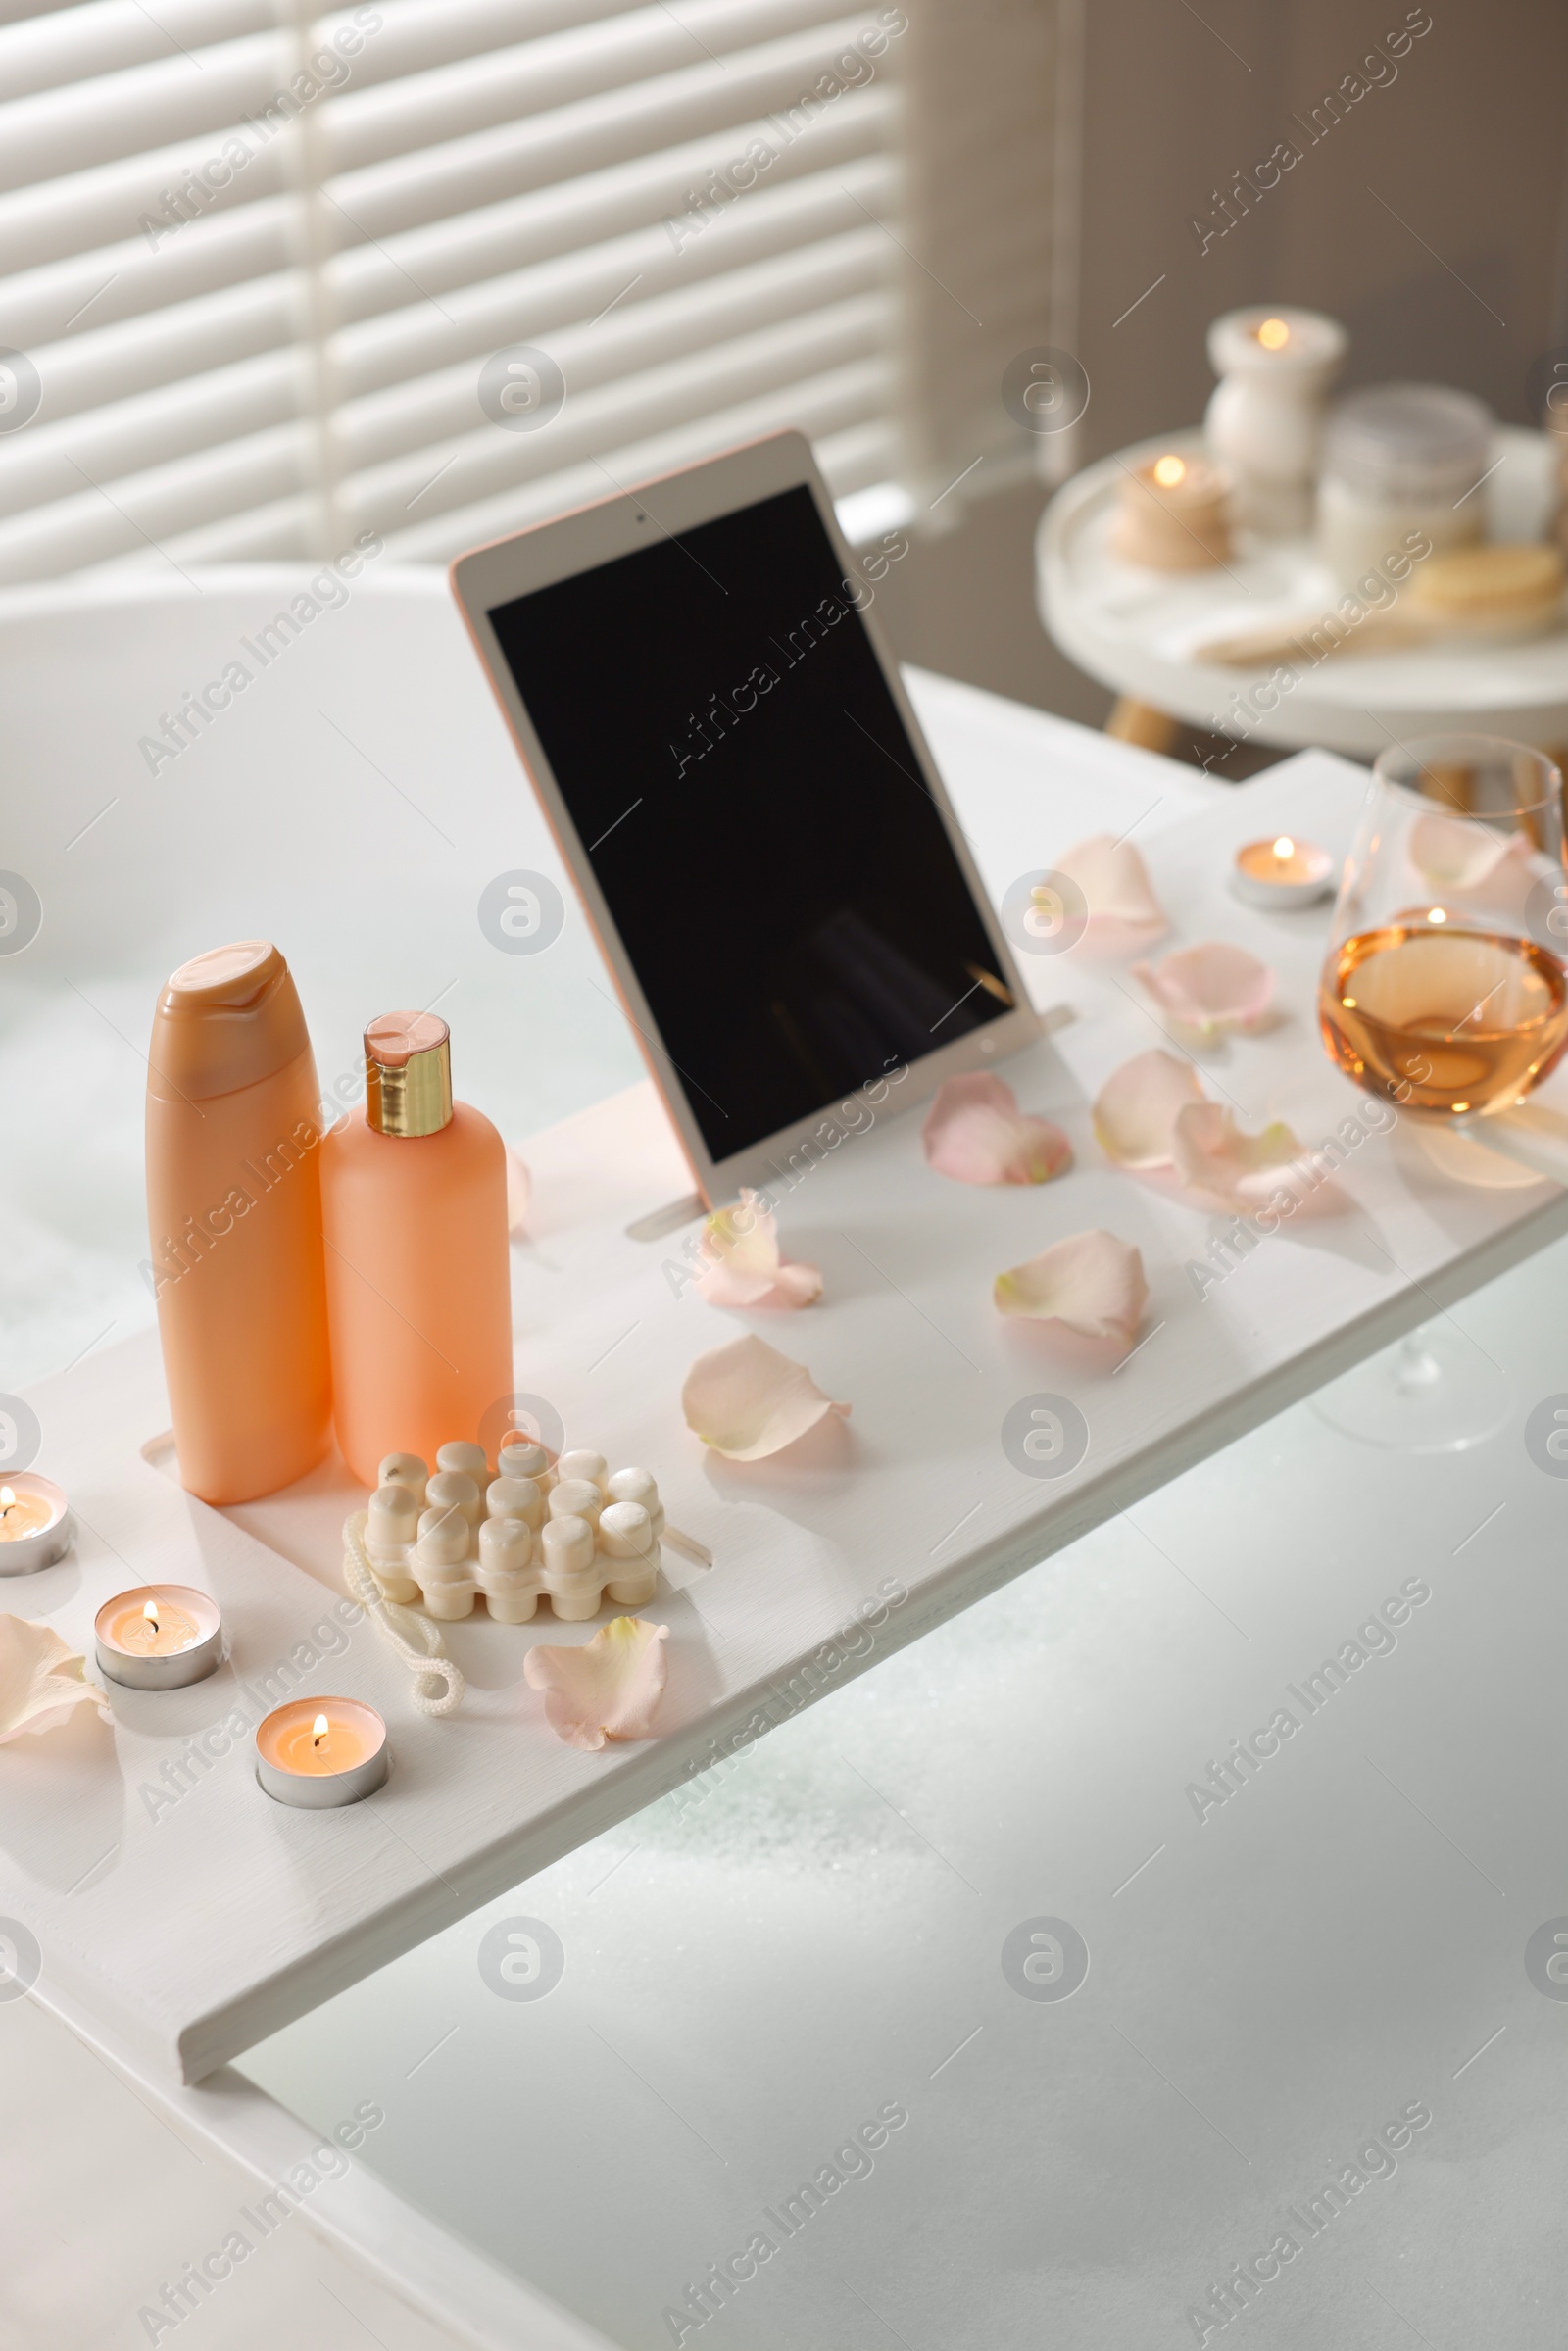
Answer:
[(1444, 991)]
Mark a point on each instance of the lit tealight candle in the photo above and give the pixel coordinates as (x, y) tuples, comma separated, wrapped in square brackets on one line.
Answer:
[(318, 1752), (1173, 514), (1282, 872), (35, 1527), (22, 1514), (159, 1637)]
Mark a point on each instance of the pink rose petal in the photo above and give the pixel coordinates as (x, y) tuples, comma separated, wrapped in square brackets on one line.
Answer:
[(741, 1264), (1115, 885), (798, 1285), (1091, 1282), (1456, 858), (1209, 988), (608, 1689), (976, 1133), (1452, 854), (520, 1192), (1218, 1161), (40, 1679), (1136, 1110), (747, 1400)]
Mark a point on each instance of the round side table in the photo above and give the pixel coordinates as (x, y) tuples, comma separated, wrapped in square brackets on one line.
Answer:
[(1140, 632)]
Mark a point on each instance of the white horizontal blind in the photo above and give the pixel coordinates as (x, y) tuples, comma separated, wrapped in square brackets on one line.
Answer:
[(265, 270)]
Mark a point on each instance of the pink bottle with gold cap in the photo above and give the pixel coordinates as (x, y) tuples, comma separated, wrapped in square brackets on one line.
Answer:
[(234, 1214), (418, 1273)]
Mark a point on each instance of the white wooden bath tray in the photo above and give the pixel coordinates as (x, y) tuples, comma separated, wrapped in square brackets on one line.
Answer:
[(185, 1916)]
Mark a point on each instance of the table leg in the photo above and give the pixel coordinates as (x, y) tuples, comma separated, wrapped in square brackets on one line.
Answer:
[(1135, 721)]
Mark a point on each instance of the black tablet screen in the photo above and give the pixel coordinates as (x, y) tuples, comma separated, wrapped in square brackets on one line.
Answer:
[(755, 814)]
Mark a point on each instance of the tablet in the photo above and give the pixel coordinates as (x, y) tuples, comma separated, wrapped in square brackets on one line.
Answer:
[(726, 757)]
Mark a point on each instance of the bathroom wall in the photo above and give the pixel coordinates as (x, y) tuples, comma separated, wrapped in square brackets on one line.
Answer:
[(1431, 216)]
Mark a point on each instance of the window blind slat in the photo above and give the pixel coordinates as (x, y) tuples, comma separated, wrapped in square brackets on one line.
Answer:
[(60, 131), (88, 513), (104, 206), (850, 457), (581, 214), (48, 50), (13, 11), (454, 176), (636, 338), (202, 501), (108, 284), (417, 35), (100, 518), (557, 301), (200, 408), (820, 408), (378, 120), (103, 283), (818, 231), (264, 367), (164, 350), (116, 446), (486, 460)]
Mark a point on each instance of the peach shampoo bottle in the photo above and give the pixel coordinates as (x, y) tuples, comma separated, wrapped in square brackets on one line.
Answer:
[(418, 1271), (234, 1213)]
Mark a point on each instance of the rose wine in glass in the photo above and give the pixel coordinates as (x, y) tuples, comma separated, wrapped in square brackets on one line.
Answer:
[(1444, 991), (1441, 1018)]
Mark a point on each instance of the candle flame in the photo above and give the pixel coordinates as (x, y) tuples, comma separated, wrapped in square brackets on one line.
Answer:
[(1169, 470), (149, 1612), (1273, 334), (1436, 915), (318, 1729), (1284, 848), (7, 1501)]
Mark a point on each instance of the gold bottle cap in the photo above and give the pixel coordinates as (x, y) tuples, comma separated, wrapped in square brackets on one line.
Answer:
[(408, 1074)]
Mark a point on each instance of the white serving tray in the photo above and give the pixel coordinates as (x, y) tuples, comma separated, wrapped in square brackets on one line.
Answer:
[(184, 1931)]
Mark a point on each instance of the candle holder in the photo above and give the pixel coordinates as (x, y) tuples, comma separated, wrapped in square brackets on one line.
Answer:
[(1282, 873), (35, 1527), (1173, 514), (1265, 417), (317, 1753), (159, 1637)]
